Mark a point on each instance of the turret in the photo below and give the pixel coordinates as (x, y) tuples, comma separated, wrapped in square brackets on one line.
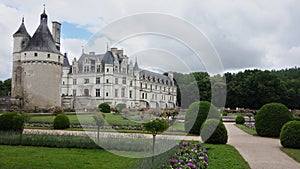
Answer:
[(21, 38)]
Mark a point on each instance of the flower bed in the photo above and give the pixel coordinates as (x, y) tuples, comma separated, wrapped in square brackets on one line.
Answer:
[(188, 157), (250, 125)]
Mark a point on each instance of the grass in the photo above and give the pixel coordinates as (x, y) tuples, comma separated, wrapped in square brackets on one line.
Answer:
[(246, 129), (220, 156), (225, 156), (294, 153), (41, 157)]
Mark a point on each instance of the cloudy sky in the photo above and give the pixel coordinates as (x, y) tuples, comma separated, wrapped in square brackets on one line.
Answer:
[(246, 34)]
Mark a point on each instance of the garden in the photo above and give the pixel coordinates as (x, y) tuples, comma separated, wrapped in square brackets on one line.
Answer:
[(151, 151)]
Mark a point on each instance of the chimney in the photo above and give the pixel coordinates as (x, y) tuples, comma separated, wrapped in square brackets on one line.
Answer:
[(56, 33)]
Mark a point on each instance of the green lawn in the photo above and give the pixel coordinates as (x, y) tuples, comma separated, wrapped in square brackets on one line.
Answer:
[(294, 153), (220, 156), (246, 129), (225, 156), (40, 157)]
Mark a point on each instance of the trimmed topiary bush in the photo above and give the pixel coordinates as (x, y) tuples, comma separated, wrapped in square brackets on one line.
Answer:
[(120, 107), (197, 114), (61, 121), (12, 121), (270, 119), (104, 107), (290, 135), (213, 131), (239, 119)]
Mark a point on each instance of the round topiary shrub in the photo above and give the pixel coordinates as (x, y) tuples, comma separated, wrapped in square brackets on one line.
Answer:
[(213, 131), (270, 119), (290, 135), (197, 113), (104, 107), (61, 121), (239, 119), (12, 121), (120, 107)]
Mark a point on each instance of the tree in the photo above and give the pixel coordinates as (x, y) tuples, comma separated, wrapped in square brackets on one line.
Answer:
[(155, 127), (99, 119), (104, 107)]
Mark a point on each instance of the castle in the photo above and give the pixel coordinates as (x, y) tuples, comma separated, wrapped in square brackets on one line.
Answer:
[(43, 77)]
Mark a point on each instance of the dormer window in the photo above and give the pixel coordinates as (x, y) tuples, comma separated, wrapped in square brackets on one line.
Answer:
[(35, 54)]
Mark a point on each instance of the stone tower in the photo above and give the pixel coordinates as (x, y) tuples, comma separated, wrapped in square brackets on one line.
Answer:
[(37, 66), (21, 39)]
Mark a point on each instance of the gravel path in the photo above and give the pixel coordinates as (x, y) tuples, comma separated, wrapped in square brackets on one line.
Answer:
[(259, 152), (109, 134)]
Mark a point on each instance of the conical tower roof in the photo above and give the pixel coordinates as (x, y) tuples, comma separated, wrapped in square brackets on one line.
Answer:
[(42, 40), (136, 66), (22, 30)]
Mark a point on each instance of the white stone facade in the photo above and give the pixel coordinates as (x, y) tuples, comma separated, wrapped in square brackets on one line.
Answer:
[(112, 79)]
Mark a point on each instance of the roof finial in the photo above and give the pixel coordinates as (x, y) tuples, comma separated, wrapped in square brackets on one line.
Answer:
[(23, 19), (44, 8), (82, 49), (106, 46)]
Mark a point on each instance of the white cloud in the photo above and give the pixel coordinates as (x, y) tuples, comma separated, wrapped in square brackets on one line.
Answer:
[(247, 34)]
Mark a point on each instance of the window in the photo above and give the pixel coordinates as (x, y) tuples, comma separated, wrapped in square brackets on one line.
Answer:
[(35, 54), (63, 82), (97, 92), (130, 94), (74, 81), (86, 81), (146, 85), (124, 70), (123, 92), (97, 80), (146, 96), (116, 92), (124, 80), (151, 87), (116, 81), (98, 68), (74, 92), (155, 87), (48, 55), (58, 58), (106, 93), (86, 69), (130, 84), (107, 81), (143, 95), (164, 89), (86, 92), (141, 85), (107, 70)]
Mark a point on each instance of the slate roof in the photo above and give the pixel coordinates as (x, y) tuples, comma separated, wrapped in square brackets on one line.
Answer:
[(22, 30), (108, 58), (146, 72), (136, 66), (66, 61), (42, 39)]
